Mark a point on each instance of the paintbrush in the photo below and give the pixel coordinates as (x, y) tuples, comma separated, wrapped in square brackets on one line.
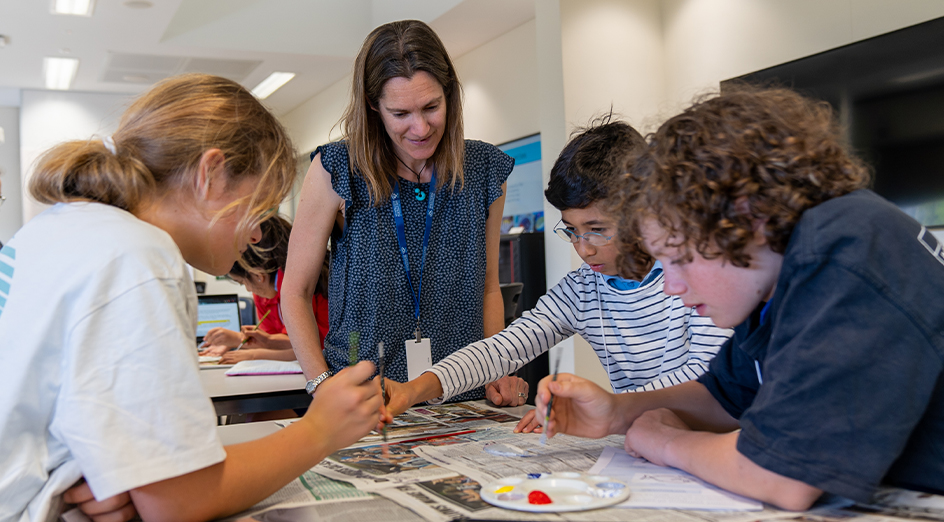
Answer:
[(385, 450), (353, 340), (550, 401), (246, 340)]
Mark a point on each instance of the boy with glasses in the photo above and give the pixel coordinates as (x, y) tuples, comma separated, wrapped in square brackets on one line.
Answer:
[(644, 339)]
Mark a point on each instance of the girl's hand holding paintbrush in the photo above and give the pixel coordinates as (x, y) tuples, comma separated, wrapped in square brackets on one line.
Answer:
[(579, 407)]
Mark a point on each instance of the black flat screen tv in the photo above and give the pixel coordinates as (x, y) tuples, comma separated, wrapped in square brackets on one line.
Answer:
[(888, 92)]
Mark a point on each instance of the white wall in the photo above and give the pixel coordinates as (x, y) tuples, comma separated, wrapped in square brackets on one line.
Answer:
[(51, 117), (707, 41), (11, 214), (500, 80)]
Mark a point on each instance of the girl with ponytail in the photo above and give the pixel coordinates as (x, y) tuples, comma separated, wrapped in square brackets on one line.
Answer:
[(98, 314)]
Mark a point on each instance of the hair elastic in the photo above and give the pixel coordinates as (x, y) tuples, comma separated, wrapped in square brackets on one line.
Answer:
[(109, 144)]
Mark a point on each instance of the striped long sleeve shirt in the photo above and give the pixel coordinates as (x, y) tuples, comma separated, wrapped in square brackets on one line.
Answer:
[(645, 339)]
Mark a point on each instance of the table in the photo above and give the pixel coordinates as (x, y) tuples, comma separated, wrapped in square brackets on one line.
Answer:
[(890, 505), (254, 393)]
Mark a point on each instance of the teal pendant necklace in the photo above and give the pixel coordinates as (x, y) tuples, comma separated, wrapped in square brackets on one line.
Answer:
[(418, 193)]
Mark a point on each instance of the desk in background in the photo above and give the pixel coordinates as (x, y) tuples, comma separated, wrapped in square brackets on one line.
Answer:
[(253, 393)]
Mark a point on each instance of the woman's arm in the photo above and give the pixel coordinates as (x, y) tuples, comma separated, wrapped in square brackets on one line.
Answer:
[(494, 306), (254, 354), (318, 209)]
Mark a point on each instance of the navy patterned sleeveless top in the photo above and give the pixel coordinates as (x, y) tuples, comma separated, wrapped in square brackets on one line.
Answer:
[(367, 287)]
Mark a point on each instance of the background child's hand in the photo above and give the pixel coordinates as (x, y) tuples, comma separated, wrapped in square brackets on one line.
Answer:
[(346, 406), (222, 337), (255, 338), (215, 351), (236, 356), (530, 423)]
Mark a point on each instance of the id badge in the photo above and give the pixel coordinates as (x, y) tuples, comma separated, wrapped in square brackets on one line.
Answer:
[(419, 357)]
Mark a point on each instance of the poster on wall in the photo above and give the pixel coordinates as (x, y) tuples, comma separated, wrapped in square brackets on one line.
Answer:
[(524, 200)]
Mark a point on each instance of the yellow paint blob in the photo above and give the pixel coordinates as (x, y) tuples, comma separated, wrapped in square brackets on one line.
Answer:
[(504, 489)]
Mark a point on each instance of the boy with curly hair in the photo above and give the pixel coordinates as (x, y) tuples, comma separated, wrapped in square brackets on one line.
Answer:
[(833, 381)]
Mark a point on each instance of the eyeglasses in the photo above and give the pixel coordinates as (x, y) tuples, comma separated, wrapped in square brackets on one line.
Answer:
[(594, 238)]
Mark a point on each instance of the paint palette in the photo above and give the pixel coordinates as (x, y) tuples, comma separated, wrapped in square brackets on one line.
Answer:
[(555, 492)]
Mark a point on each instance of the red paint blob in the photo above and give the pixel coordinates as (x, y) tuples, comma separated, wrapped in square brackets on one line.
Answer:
[(538, 497)]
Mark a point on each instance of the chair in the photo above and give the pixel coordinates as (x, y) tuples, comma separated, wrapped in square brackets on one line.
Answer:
[(247, 311), (511, 292)]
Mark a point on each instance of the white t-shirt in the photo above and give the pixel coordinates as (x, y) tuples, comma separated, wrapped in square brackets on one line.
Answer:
[(100, 375)]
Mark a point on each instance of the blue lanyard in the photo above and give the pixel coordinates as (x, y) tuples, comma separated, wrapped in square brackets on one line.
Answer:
[(401, 239)]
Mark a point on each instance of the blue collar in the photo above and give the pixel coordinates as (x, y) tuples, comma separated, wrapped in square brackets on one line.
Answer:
[(619, 283)]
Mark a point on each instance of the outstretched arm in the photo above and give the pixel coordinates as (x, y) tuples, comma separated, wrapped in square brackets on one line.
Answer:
[(347, 409)]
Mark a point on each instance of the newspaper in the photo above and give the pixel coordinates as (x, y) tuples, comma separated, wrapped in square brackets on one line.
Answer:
[(655, 486), (438, 419), (561, 453), (308, 489), (375, 508), (368, 469)]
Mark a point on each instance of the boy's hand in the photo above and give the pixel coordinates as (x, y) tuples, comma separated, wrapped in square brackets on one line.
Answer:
[(580, 407), (113, 509), (507, 391), (222, 337), (651, 433), (399, 398), (530, 423), (346, 406)]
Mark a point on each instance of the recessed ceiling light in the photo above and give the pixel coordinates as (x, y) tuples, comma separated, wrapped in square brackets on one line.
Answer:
[(271, 84), (59, 72), (138, 4), (136, 78), (73, 7)]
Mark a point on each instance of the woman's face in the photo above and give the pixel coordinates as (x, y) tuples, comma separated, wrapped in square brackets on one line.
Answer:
[(413, 112)]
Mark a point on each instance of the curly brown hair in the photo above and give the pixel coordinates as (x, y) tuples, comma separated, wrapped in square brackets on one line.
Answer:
[(748, 155)]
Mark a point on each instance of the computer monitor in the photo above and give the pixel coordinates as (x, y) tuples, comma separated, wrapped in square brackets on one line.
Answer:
[(217, 310)]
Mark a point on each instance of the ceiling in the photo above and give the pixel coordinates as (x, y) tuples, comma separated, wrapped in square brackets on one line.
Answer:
[(123, 48)]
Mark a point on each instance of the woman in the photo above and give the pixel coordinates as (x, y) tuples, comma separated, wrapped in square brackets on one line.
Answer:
[(98, 335), (403, 147), (261, 271)]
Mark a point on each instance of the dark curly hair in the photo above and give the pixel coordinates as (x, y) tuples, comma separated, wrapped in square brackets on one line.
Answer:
[(591, 160), (269, 255), (748, 155)]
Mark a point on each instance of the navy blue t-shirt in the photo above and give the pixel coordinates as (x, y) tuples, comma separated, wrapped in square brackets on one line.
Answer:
[(367, 286), (851, 355)]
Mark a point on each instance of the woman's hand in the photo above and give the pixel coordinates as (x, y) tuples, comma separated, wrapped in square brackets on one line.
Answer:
[(222, 337), (236, 356), (507, 391), (399, 398), (113, 509), (580, 407), (530, 423), (347, 405)]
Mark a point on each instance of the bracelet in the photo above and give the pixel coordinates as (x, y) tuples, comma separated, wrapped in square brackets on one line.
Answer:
[(312, 385)]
